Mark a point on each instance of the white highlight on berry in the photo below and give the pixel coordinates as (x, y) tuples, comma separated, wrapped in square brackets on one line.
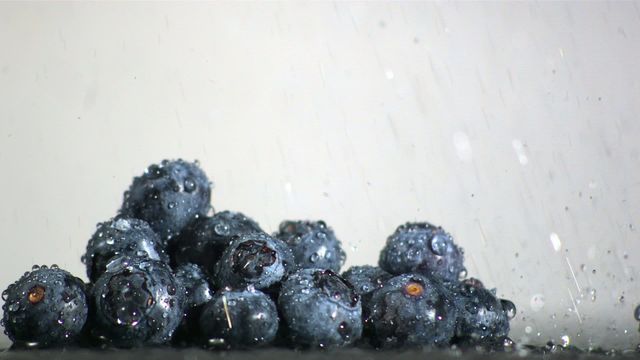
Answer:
[(463, 146), (518, 146), (555, 241)]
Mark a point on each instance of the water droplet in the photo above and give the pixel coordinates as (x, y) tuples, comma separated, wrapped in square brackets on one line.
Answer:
[(172, 205), (566, 340), (555, 241), (537, 302), (171, 290), (314, 257), (636, 313), (222, 229), (189, 185), (343, 330), (5, 295), (35, 267), (509, 308), (438, 244), (55, 267), (621, 299), (110, 241), (462, 274)]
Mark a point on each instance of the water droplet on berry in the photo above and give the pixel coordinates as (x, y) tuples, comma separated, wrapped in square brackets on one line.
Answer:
[(314, 257), (35, 267), (110, 241), (438, 244), (171, 290), (462, 274), (222, 229), (55, 267), (189, 185), (5, 294), (343, 330), (172, 205), (509, 308)]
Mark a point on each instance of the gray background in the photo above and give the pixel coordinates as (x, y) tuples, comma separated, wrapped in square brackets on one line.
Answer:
[(513, 125)]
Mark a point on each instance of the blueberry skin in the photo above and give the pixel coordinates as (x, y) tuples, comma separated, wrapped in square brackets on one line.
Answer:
[(46, 307), (168, 196), (204, 241), (482, 317), (313, 243), (254, 259), (411, 310), (195, 283), (365, 280), (121, 236), (239, 319), (422, 248), (320, 309), (137, 301), (197, 292)]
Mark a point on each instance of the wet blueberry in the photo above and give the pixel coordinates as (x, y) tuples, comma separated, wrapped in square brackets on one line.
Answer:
[(204, 241), (313, 243), (411, 310), (137, 302), (168, 196), (482, 317), (320, 309), (46, 307), (253, 259), (197, 293), (366, 279), (422, 248), (121, 236), (239, 319)]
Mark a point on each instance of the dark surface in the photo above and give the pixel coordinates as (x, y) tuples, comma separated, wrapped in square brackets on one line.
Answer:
[(283, 354)]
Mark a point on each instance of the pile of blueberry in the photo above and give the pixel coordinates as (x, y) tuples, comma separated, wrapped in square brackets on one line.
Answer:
[(166, 271)]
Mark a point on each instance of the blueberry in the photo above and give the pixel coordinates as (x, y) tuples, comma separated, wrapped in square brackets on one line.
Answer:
[(411, 310), (422, 248), (239, 319), (197, 293), (254, 259), (482, 318), (320, 309), (137, 302), (195, 283), (365, 280), (168, 196), (313, 243), (203, 242), (46, 307), (121, 236)]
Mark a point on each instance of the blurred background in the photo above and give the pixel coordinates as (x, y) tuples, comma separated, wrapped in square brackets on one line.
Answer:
[(513, 125)]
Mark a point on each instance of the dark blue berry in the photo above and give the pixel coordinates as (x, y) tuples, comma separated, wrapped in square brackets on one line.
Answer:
[(46, 307), (320, 309), (168, 196), (411, 310), (422, 248), (121, 236), (482, 317), (254, 259), (137, 302), (313, 243), (204, 241), (197, 293), (365, 280), (195, 283), (239, 319)]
